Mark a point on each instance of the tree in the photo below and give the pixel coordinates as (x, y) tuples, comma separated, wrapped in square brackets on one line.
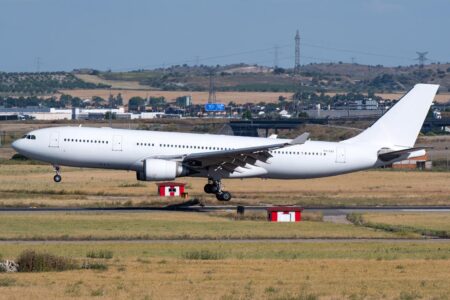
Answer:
[(247, 115), (279, 70), (136, 103), (157, 101), (97, 100), (113, 115), (119, 99), (76, 102)]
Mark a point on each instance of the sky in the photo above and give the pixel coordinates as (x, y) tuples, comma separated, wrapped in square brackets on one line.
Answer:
[(123, 35)]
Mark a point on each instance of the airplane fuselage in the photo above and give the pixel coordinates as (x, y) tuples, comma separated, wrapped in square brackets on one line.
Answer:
[(126, 149)]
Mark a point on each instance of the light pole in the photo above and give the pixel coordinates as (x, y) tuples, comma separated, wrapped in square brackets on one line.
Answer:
[(446, 157)]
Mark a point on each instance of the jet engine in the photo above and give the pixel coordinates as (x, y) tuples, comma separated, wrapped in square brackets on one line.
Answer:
[(160, 169)]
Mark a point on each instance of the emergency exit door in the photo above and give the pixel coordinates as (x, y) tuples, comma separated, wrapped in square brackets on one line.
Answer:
[(117, 143), (54, 140), (340, 155)]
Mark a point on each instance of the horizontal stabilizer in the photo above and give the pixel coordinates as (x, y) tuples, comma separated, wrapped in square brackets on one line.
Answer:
[(384, 155)]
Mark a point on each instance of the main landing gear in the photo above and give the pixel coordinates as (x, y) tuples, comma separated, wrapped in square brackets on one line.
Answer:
[(215, 187), (57, 177)]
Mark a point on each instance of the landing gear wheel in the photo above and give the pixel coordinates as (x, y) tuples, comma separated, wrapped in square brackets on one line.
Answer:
[(57, 178), (223, 196), (208, 188), (211, 188)]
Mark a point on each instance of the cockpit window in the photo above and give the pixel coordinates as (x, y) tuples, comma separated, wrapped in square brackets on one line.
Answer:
[(29, 137)]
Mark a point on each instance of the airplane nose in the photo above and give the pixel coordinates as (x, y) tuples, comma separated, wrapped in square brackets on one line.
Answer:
[(15, 145)]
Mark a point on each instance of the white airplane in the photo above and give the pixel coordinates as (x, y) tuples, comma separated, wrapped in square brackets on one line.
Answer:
[(157, 156)]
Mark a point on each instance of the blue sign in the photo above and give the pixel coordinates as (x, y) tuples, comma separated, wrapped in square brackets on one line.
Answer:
[(214, 107)]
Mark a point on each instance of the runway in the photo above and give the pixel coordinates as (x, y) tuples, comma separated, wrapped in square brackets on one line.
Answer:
[(327, 211)]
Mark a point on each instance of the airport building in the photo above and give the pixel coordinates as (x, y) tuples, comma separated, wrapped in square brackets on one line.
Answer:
[(53, 114)]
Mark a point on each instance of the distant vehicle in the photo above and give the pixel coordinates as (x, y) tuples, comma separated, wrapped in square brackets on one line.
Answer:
[(437, 114), (24, 117), (161, 156)]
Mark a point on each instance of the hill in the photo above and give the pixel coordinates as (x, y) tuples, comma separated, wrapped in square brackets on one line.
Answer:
[(314, 77)]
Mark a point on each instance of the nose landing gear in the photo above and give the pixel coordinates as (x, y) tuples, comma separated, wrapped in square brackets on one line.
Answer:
[(215, 187), (57, 177)]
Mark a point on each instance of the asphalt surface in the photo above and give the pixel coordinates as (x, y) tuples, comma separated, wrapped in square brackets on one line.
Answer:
[(327, 211)]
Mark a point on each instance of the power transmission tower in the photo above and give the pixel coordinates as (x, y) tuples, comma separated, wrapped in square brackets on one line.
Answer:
[(422, 58), (212, 90), (38, 64), (275, 58), (297, 53)]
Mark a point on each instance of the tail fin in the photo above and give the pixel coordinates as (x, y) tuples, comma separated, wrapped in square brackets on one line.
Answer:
[(400, 125)]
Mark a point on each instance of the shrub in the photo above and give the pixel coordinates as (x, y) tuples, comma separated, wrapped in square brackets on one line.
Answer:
[(203, 255), (18, 156), (355, 218), (106, 254), (6, 281), (32, 261), (94, 266), (97, 293)]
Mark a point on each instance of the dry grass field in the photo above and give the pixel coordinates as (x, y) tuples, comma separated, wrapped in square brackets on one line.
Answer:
[(32, 185), (115, 84), (130, 89), (240, 271), (197, 97)]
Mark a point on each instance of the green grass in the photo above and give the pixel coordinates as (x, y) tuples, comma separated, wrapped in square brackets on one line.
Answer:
[(373, 250), (426, 224), (101, 253), (165, 225), (203, 255)]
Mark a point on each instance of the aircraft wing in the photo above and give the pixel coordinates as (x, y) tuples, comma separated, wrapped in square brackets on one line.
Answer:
[(387, 155), (229, 160)]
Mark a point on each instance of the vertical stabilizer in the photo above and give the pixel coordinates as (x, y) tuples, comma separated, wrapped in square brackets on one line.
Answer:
[(400, 125)]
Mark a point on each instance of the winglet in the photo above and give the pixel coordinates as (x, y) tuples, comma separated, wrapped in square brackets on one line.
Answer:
[(301, 139)]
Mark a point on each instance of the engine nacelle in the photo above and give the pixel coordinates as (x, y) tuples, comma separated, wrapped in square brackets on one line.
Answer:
[(159, 169)]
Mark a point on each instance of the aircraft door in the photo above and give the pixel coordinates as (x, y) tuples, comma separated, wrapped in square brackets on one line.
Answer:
[(340, 155), (54, 140), (117, 143)]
